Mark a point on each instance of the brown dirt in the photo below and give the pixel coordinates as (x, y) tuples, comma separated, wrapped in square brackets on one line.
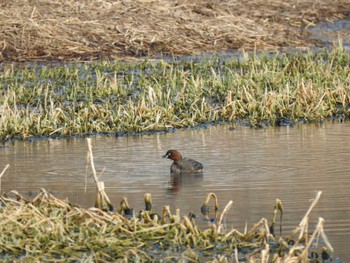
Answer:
[(70, 30)]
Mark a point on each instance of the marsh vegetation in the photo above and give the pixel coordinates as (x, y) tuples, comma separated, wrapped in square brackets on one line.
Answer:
[(111, 97), (50, 229), (107, 96)]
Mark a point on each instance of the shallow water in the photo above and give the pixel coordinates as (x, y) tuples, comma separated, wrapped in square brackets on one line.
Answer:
[(329, 34), (332, 33), (250, 167)]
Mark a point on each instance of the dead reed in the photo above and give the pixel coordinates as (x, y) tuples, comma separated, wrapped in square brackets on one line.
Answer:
[(57, 30), (49, 229)]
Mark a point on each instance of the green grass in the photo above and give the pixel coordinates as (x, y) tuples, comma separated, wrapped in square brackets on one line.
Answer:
[(114, 97)]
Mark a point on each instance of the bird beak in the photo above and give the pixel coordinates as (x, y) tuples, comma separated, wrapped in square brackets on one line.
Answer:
[(165, 156)]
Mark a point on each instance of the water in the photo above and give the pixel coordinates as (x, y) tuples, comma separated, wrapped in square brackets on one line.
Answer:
[(250, 167), (331, 33)]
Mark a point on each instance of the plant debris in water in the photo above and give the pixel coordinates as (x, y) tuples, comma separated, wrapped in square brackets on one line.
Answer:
[(50, 229), (112, 97)]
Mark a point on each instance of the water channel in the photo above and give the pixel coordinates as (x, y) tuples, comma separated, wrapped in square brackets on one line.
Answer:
[(251, 167)]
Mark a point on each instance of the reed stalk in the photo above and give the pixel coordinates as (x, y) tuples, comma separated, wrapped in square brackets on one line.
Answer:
[(47, 227)]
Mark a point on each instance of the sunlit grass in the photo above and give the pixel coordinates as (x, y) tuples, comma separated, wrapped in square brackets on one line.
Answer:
[(113, 97), (48, 229)]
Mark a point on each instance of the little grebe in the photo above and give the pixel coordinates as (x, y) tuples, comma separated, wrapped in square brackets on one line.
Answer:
[(182, 165)]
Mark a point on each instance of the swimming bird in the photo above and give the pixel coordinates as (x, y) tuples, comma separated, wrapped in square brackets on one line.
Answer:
[(182, 165)]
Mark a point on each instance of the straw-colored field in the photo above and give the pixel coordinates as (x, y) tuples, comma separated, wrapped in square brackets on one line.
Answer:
[(46, 30)]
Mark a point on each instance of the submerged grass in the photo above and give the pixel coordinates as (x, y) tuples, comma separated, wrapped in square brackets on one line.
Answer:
[(52, 230), (113, 97)]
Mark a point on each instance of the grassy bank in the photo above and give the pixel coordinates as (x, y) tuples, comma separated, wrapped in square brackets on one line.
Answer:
[(112, 97)]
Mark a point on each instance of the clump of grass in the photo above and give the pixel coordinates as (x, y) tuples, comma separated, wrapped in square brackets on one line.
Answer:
[(50, 229), (112, 97)]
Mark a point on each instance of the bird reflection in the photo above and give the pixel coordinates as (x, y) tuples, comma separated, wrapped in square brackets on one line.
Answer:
[(177, 181)]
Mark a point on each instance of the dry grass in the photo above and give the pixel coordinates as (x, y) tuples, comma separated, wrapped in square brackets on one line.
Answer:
[(53, 230), (46, 30)]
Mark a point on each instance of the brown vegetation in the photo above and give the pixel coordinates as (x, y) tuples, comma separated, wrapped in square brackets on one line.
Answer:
[(54, 30), (47, 229)]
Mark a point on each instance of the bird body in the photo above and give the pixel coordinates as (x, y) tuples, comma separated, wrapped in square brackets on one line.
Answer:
[(182, 165)]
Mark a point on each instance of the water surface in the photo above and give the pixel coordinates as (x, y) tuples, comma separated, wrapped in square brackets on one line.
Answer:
[(250, 167)]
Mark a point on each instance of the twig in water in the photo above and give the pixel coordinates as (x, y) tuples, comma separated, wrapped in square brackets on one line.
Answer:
[(2, 173)]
